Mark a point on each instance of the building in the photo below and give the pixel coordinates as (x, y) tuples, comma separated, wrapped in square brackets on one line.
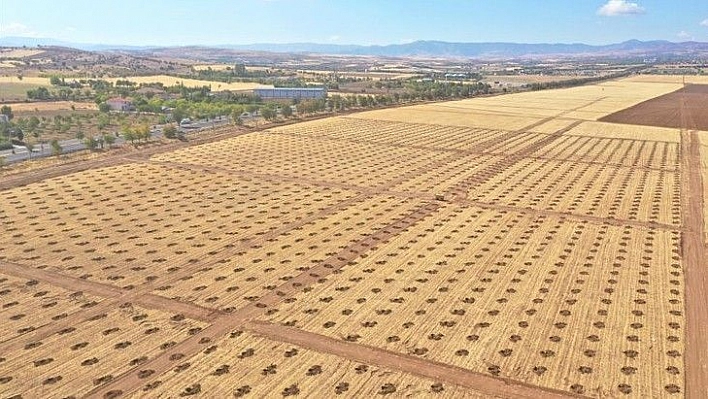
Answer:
[(291, 93), (119, 104)]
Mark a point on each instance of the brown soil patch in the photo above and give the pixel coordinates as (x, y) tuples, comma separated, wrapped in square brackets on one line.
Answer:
[(662, 111)]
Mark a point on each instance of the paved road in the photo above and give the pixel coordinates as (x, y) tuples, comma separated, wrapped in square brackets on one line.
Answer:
[(21, 154)]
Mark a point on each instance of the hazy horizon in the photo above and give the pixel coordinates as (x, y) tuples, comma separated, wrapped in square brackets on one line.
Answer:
[(366, 22)]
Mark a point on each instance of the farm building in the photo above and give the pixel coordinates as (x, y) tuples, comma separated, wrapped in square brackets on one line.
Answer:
[(291, 93), (119, 104)]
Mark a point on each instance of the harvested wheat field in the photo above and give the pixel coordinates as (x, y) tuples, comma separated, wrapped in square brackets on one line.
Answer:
[(511, 246)]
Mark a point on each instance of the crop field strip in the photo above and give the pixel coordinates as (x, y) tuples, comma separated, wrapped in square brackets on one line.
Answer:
[(485, 301), (135, 233), (93, 352), (363, 247), (252, 365)]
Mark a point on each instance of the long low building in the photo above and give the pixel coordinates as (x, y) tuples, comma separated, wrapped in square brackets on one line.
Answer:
[(291, 93)]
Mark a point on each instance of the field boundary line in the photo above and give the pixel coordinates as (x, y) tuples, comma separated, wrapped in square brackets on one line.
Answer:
[(475, 381), (571, 216)]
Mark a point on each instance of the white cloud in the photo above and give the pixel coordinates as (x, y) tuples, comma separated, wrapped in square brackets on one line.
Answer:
[(334, 38), (17, 29), (685, 35), (620, 7), (704, 22)]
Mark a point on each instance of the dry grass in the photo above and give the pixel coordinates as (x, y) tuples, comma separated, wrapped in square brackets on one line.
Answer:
[(361, 75), (173, 81), (675, 79), (518, 80), (30, 108), (101, 218), (262, 268), (32, 80), (14, 89), (618, 131), (247, 365), (449, 116), (90, 353), (516, 111), (546, 257), (538, 299), (214, 67), (18, 53), (306, 158)]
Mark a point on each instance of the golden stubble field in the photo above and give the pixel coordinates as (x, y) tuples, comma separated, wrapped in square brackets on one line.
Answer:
[(498, 247)]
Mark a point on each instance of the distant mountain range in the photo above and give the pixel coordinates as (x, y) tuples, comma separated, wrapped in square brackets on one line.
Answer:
[(422, 48)]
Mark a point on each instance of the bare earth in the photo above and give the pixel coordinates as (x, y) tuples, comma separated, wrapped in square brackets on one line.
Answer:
[(663, 111)]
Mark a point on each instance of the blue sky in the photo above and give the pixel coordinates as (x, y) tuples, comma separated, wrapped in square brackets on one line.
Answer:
[(212, 22)]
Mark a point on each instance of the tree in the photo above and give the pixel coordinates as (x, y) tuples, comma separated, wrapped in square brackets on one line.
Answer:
[(29, 148), (269, 114), (104, 107), (109, 139), (56, 81), (91, 143), (7, 111), (80, 135), (236, 113), (56, 147), (286, 111), (18, 133), (40, 93), (142, 131), (251, 108), (170, 131), (129, 135)]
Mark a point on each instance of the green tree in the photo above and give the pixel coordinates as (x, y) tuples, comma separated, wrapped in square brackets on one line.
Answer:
[(269, 114), (236, 113), (56, 81), (7, 111), (33, 123), (91, 143), (128, 135), (56, 147), (103, 107), (142, 132), (40, 93), (80, 135), (286, 111), (170, 131), (109, 139)]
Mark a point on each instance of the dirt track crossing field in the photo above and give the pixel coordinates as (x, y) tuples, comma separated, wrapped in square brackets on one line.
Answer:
[(370, 255)]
